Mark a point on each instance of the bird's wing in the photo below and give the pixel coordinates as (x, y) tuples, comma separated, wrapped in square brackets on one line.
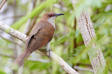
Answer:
[(40, 36), (32, 36)]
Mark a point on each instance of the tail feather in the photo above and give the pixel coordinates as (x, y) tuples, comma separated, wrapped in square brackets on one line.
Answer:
[(20, 60)]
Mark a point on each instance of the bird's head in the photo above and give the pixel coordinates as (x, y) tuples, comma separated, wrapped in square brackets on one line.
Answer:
[(50, 17)]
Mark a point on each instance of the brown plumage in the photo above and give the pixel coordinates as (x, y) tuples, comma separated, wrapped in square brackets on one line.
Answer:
[(40, 35)]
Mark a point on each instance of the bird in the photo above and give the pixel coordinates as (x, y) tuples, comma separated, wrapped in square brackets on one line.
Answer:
[(40, 35)]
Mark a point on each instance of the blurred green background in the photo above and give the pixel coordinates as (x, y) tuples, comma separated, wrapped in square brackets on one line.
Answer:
[(67, 41)]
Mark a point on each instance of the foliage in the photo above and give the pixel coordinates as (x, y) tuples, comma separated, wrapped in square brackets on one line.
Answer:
[(67, 41)]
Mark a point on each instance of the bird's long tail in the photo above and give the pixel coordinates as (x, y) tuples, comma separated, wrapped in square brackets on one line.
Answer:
[(20, 60)]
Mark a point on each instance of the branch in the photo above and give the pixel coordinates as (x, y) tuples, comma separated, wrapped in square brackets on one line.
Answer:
[(2, 3), (83, 69), (63, 64), (6, 55), (88, 33), (40, 60), (53, 56), (15, 42), (13, 32)]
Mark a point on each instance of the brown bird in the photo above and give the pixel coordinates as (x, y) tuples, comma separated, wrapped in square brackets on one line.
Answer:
[(40, 35)]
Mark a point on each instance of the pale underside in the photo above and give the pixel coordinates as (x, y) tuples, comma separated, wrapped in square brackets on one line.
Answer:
[(52, 21)]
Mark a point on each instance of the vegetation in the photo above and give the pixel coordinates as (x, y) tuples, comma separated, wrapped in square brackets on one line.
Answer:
[(67, 41)]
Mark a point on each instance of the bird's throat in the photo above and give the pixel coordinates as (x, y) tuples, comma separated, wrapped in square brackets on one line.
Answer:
[(52, 21)]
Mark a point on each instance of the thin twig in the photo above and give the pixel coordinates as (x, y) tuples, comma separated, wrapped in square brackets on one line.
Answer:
[(23, 37), (2, 3), (6, 55), (40, 60), (10, 40), (11, 17), (83, 69), (75, 43), (62, 63), (13, 32), (83, 64)]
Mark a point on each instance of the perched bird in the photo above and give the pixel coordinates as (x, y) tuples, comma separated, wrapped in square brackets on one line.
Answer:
[(40, 35)]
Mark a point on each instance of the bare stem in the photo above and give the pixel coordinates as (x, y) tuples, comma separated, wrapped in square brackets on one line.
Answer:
[(2, 3), (13, 32), (83, 69)]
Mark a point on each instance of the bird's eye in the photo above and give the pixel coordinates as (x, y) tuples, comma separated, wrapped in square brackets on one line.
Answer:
[(50, 15)]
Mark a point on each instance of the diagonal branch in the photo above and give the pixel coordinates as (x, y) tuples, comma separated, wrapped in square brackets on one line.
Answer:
[(2, 3), (53, 56), (13, 32)]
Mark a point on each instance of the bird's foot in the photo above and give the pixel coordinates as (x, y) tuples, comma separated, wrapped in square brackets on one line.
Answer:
[(48, 52), (48, 49)]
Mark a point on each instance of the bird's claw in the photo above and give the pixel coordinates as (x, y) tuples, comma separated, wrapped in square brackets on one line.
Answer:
[(48, 49), (48, 53)]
